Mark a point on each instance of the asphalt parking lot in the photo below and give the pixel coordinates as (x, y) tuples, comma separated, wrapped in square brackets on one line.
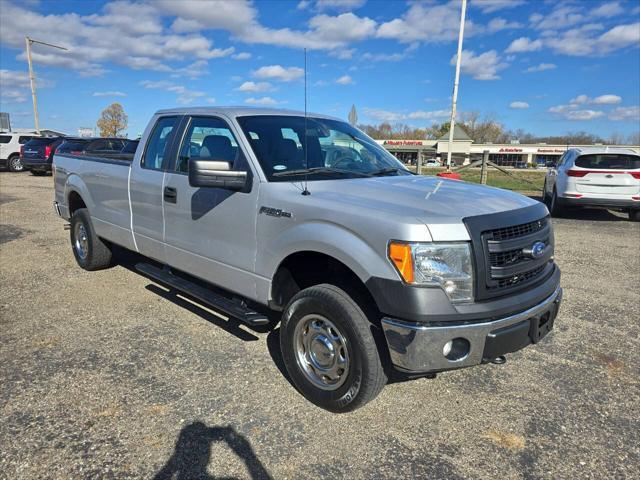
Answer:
[(107, 375)]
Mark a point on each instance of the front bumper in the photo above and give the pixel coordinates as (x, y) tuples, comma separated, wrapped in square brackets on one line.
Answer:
[(418, 348)]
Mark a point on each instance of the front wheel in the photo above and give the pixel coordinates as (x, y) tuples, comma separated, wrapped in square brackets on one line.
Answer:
[(15, 164), (634, 215), (329, 350), (91, 252), (555, 208)]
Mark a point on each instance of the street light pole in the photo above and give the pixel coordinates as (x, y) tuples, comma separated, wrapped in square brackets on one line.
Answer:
[(454, 98), (32, 77)]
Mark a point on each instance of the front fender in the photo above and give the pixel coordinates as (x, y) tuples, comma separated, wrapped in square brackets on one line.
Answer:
[(344, 245)]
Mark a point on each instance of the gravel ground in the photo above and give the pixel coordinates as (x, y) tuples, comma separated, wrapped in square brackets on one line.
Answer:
[(106, 375)]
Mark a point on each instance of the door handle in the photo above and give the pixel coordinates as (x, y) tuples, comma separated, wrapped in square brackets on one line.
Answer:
[(170, 195)]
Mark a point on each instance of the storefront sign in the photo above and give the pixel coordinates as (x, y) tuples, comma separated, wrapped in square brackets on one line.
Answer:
[(510, 150), (550, 150), (403, 143)]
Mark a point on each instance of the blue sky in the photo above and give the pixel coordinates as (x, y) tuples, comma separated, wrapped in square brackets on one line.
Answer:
[(547, 67)]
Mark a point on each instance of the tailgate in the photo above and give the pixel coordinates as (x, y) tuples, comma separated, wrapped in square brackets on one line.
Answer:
[(608, 182)]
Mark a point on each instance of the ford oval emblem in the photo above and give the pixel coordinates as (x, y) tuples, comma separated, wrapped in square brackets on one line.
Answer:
[(537, 249)]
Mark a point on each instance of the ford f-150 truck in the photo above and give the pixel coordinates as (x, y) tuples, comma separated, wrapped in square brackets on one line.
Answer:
[(373, 268)]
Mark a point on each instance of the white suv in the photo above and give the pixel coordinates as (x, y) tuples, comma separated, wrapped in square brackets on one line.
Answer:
[(10, 143), (595, 177)]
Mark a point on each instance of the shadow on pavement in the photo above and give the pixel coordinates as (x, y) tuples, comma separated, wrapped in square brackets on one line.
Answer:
[(192, 453)]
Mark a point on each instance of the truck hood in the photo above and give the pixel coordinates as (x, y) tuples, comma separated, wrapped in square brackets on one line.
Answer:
[(437, 202)]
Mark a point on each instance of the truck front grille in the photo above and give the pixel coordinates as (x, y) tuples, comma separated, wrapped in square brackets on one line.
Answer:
[(502, 250)]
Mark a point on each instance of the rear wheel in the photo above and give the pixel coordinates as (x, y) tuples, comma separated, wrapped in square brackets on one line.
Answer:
[(14, 164), (38, 173), (329, 349), (634, 215), (91, 252)]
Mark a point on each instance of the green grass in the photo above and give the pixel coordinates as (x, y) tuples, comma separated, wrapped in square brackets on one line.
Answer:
[(517, 180)]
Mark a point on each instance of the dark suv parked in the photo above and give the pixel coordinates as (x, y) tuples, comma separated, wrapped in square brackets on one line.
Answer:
[(37, 154), (92, 146)]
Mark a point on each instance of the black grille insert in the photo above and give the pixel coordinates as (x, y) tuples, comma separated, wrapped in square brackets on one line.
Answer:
[(516, 231)]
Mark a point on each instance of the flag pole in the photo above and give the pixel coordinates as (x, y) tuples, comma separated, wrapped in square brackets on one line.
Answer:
[(454, 98)]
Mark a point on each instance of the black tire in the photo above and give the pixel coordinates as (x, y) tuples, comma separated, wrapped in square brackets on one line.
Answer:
[(90, 251), (364, 377), (634, 215), (38, 173), (14, 164), (554, 206)]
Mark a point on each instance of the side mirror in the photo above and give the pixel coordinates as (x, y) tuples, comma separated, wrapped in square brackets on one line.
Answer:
[(215, 173)]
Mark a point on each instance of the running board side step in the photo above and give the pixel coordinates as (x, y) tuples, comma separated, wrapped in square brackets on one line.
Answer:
[(226, 305)]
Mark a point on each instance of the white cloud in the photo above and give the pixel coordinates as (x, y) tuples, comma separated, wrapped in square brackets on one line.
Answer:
[(489, 6), (434, 23), (606, 10), (524, 44), (625, 113), (608, 99), (343, 53), (541, 67), (562, 16), (342, 5), (15, 86), (344, 80), (240, 18), (389, 116), (241, 56), (498, 24), (255, 87), (519, 105), (185, 95), (278, 72), (123, 33), (261, 101), (113, 93), (579, 100), (481, 67)]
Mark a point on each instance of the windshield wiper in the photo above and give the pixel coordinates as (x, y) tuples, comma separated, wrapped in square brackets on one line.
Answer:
[(314, 170), (385, 171)]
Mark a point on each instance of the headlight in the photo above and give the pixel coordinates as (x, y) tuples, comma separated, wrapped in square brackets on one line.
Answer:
[(447, 265)]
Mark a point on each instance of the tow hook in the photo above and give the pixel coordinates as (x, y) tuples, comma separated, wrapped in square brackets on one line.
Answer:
[(500, 360)]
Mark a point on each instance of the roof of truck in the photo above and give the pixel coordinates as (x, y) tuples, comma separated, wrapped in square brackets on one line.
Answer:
[(241, 111)]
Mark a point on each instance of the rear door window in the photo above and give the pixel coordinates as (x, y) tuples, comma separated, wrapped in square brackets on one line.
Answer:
[(608, 161), (159, 142), (24, 139), (73, 146)]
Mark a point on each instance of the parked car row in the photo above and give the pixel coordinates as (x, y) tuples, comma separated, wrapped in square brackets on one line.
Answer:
[(34, 152)]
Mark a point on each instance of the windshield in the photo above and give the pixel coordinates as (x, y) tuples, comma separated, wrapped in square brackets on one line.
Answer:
[(334, 149), (609, 161)]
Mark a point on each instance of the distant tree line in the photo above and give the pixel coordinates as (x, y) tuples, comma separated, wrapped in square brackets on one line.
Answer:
[(488, 130)]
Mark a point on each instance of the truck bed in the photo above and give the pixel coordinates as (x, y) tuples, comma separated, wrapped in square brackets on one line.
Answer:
[(103, 182)]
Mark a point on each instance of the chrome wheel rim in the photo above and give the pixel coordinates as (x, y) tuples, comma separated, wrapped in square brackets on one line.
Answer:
[(321, 352), (81, 242), (16, 164)]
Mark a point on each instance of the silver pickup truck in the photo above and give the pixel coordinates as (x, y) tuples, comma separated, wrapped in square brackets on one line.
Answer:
[(375, 270)]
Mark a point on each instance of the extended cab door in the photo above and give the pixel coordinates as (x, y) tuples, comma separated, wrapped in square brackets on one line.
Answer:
[(146, 187), (210, 232)]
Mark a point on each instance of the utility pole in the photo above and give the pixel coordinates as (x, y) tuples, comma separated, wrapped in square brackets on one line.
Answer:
[(454, 98), (32, 77)]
